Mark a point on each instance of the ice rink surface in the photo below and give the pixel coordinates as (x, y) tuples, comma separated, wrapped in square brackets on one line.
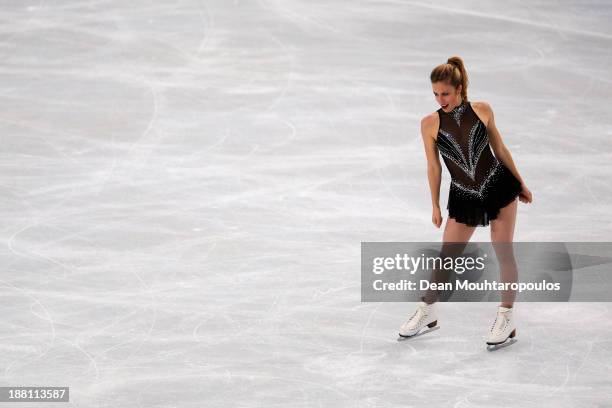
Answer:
[(185, 186)]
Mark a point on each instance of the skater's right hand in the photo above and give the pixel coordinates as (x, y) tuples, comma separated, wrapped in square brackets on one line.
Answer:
[(436, 217)]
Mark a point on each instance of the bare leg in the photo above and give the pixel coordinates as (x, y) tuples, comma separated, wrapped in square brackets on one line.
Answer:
[(502, 233), (455, 233)]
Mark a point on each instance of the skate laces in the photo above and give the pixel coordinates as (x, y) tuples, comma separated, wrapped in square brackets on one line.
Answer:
[(420, 311), (501, 318)]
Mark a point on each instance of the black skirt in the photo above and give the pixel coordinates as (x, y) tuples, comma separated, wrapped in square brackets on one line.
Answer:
[(478, 208)]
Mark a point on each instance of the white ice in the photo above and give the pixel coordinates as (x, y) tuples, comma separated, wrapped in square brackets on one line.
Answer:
[(185, 186)]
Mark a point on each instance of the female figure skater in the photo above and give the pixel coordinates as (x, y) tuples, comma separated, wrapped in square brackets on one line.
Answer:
[(483, 189)]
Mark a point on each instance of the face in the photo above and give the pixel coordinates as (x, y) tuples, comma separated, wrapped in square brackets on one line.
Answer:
[(446, 95)]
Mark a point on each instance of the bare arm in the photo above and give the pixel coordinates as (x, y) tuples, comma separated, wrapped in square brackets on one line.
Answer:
[(497, 144), (429, 126)]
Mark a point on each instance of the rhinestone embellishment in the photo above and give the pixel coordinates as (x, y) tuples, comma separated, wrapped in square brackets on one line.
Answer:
[(480, 192), (450, 148), (457, 112)]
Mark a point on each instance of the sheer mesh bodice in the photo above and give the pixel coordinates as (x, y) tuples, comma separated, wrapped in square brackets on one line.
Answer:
[(480, 184), (463, 142)]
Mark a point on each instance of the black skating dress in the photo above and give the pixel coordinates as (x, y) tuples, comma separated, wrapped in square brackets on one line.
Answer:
[(480, 184)]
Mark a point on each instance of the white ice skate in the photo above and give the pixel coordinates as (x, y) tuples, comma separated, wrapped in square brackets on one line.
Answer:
[(425, 315), (503, 327)]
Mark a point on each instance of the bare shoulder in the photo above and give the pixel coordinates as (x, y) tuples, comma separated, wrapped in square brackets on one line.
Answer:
[(430, 125), (484, 111)]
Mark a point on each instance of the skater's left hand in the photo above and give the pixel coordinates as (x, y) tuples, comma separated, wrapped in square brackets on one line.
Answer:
[(525, 195)]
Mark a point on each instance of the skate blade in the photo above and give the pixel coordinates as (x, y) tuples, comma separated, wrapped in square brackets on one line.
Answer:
[(494, 347), (422, 332)]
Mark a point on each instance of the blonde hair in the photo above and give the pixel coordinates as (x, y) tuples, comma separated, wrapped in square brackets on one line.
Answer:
[(453, 73)]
